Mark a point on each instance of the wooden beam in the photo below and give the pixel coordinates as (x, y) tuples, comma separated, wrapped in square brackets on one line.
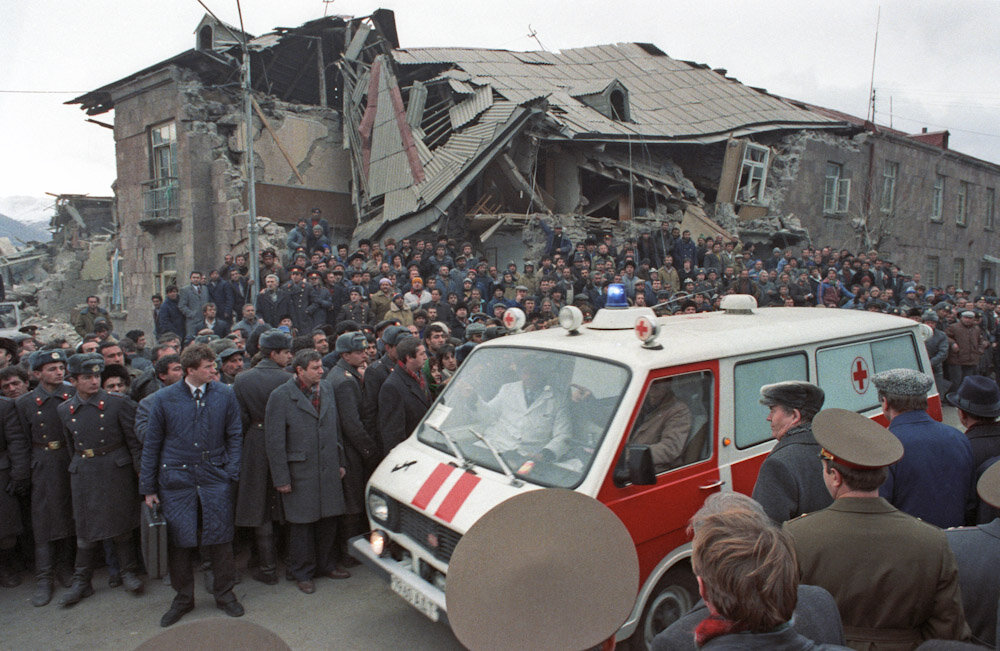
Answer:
[(281, 148), (514, 175)]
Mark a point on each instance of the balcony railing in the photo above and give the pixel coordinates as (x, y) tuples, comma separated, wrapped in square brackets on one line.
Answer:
[(161, 200)]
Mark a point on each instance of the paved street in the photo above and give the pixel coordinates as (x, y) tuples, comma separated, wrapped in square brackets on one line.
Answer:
[(359, 613)]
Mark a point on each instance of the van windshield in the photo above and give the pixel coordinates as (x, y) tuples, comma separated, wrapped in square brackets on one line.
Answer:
[(543, 413)]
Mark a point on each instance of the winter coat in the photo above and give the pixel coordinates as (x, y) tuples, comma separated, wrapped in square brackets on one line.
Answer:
[(360, 448), (170, 319), (790, 481), (402, 403), (191, 459), (272, 309), (14, 459), (191, 302), (971, 344), (304, 450)]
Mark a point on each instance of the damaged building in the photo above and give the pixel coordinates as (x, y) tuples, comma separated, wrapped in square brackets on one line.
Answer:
[(473, 143)]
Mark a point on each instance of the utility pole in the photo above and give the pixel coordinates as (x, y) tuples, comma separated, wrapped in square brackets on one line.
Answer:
[(252, 228)]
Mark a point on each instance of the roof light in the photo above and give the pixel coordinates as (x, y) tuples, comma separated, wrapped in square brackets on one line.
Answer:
[(647, 329), (513, 319), (738, 304), (616, 297), (571, 318)]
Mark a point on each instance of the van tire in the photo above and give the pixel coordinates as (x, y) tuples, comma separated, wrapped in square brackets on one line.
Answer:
[(673, 596)]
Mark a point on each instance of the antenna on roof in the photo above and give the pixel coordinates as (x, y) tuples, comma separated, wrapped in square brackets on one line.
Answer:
[(871, 86), (533, 34), (326, 5)]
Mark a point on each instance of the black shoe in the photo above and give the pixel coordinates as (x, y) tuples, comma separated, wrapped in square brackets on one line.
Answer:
[(267, 578), (76, 593), (231, 608), (43, 592), (174, 615)]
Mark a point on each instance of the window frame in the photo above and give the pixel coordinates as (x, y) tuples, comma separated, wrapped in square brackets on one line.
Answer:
[(890, 175), (962, 201), (989, 209), (937, 199), (164, 277), (751, 171), (933, 271), (958, 272), (836, 190)]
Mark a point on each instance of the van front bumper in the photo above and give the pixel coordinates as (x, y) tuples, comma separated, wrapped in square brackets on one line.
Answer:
[(410, 586)]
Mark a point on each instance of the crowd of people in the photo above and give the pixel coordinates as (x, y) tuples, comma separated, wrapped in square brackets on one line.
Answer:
[(253, 417)]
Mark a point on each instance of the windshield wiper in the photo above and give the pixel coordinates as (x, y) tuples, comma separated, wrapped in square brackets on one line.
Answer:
[(451, 444), (514, 481)]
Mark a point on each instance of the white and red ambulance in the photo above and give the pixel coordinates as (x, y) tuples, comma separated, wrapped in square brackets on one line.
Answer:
[(563, 408)]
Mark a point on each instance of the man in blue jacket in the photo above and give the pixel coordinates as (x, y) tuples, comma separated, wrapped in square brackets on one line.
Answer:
[(170, 318), (190, 465)]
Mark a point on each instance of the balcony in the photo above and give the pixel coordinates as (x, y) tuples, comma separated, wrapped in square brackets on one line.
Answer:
[(161, 202)]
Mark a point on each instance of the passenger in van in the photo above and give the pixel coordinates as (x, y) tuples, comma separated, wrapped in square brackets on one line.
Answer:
[(790, 482), (663, 424)]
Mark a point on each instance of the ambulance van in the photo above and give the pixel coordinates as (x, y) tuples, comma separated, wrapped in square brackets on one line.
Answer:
[(649, 415)]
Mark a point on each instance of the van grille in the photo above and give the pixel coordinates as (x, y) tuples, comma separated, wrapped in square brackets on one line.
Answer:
[(421, 528)]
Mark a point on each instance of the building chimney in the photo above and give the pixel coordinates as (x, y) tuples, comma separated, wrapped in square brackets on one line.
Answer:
[(924, 130)]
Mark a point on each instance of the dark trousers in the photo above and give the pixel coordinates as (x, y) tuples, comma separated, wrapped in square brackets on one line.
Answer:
[(179, 560), (311, 548)]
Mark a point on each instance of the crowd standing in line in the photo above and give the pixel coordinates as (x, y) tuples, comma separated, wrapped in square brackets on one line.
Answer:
[(254, 417)]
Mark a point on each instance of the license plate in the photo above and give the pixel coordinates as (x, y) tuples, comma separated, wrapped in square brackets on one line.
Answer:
[(415, 598)]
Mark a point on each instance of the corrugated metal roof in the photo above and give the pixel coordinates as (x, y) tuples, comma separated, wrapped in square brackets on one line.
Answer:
[(668, 98), (467, 111)]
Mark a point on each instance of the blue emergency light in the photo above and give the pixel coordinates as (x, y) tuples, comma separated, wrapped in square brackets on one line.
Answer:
[(616, 296)]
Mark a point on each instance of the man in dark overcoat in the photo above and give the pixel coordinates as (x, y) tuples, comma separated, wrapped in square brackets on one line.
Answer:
[(306, 456), (375, 377), (169, 318), (273, 302), (978, 402), (934, 479), (100, 436), (257, 503), (977, 552), (403, 399), (15, 482), (190, 465), (894, 578), (298, 300), (790, 481), (41, 428), (360, 449)]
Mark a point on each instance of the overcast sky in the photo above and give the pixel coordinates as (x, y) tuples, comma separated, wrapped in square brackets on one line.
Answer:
[(938, 62)]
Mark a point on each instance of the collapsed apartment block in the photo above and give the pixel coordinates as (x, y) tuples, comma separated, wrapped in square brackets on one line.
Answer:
[(475, 143)]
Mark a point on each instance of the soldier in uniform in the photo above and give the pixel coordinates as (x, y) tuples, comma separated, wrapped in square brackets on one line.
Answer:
[(40, 426), (14, 482), (99, 430), (257, 503), (360, 449), (790, 482), (894, 578)]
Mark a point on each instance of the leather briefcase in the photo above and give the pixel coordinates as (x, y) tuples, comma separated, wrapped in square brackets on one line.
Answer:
[(154, 541)]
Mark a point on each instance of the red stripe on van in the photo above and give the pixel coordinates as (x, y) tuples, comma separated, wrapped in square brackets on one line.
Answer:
[(431, 486), (456, 496)]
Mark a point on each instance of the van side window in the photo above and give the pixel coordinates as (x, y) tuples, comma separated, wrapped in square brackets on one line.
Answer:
[(748, 377), (844, 372), (675, 420)]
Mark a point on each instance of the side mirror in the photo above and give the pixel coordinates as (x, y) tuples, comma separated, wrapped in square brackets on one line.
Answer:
[(637, 468)]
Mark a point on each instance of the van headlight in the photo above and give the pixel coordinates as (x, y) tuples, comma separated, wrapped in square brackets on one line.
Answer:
[(378, 507)]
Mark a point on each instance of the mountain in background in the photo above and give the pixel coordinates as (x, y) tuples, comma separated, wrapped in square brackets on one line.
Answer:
[(26, 219)]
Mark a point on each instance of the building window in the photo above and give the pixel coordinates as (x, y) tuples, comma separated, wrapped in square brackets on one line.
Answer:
[(933, 273), (989, 209), (753, 173), (890, 171), (937, 204), (166, 272), (161, 196), (836, 190), (962, 209), (959, 277), (987, 277)]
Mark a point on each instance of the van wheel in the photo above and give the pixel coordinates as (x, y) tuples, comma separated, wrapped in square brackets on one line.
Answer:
[(674, 595)]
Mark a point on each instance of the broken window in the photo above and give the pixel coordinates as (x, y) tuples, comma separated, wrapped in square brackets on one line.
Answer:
[(962, 210), (166, 272), (889, 173), (753, 173), (161, 192), (937, 204), (618, 111), (836, 190)]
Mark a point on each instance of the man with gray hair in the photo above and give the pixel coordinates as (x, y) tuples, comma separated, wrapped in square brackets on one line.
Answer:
[(790, 482), (933, 481)]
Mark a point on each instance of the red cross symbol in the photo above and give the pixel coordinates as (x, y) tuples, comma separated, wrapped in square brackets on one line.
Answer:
[(642, 328), (508, 319), (859, 375)]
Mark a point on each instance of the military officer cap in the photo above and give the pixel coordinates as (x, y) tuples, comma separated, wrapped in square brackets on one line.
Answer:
[(393, 334), (903, 382), (227, 353), (40, 358), (86, 364), (854, 440), (351, 342), (943, 305), (804, 396), (275, 340), (988, 486), (205, 339)]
